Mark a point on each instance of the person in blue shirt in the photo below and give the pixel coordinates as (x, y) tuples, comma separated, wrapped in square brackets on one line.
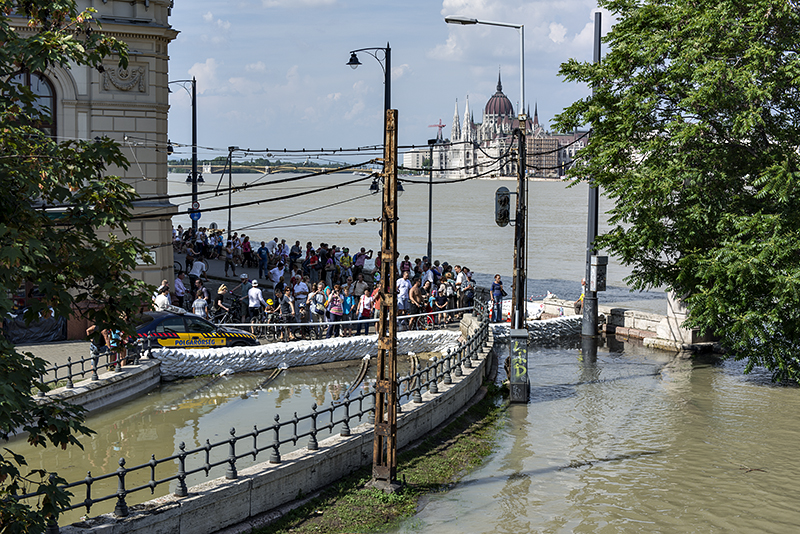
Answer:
[(349, 304), (263, 258), (497, 299)]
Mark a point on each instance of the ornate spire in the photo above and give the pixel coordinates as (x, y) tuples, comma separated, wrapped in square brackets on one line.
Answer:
[(499, 83), (456, 129), (536, 114)]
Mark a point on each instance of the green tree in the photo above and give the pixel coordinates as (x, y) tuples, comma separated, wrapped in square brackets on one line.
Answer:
[(56, 208), (695, 126)]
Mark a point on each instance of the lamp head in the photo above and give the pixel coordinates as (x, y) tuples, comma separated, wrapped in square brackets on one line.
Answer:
[(464, 21), (354, 62)]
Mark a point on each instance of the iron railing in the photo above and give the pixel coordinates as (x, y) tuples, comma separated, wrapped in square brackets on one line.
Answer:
[(341, 414), (78, 369)]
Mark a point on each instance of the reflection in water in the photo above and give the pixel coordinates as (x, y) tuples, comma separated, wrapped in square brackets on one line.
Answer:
[(633, 440), (512, 499), (190, 411)]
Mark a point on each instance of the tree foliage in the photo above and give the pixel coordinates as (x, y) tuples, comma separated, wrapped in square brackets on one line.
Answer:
[(695, 125), (56, 208)]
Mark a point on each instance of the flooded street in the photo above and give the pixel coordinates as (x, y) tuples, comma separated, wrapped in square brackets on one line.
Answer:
[(633, 443)]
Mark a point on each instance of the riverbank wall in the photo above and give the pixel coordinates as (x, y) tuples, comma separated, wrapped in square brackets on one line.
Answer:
[(259, 490), (662, 332)]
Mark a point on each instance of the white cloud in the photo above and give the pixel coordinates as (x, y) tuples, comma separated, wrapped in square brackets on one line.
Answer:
[(398, 72), (244, 86), (206, 74), (258, 66), (208, 17), (557, 32), (334, 96)]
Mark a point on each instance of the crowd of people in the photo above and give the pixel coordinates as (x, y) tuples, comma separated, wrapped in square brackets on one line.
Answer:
[(324, 284)]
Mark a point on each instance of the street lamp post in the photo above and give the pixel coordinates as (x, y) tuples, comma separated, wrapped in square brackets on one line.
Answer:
[(518, 380), (193, 95), (466, 21), (384, 452)]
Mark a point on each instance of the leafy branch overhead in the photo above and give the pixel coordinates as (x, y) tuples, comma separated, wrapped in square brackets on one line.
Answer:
[(63, 218), (695, 119)]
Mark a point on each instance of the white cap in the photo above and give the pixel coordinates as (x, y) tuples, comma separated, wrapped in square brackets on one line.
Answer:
[(255, 283)]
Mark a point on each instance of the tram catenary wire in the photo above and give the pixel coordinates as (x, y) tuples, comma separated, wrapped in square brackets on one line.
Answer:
[(154, 214)]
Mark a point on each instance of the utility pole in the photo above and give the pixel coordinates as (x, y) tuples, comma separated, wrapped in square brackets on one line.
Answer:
[(595, 265), (518, 380), (384, 458)]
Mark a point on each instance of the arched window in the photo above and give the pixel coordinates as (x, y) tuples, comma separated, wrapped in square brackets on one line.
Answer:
[(45, 98)]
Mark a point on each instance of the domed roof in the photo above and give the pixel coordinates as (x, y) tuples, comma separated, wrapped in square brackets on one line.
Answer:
[(499, 104)]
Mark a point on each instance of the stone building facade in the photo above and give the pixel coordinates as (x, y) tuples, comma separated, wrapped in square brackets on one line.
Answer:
[(129, 106)]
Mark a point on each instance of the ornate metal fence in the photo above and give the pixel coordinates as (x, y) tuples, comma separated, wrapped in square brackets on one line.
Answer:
[(271, 438)]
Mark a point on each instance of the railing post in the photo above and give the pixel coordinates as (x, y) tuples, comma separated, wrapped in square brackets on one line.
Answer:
[(457, 367), (371, 415), (275, 457), (69, 372), (433, 385), (447, 380), (121, 509), (345, 423), (416, 392), (95, 361), (231, 473), (181, 490), (87, 502), (312, 438)]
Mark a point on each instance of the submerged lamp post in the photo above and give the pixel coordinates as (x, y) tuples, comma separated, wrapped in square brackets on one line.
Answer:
[(384, 452), (193, 95)]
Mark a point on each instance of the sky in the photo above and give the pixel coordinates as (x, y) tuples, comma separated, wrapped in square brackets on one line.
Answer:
[(272, 74)]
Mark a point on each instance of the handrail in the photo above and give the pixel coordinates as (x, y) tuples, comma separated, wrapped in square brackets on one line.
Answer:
[(307, 426), (134, 353)]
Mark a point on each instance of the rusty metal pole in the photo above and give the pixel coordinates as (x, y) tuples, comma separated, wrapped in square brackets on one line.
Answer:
[(519, 383), (384, 460)]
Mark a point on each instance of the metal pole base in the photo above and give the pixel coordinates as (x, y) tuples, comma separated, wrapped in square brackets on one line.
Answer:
[(518, 382), (385, 486), (589, 323)]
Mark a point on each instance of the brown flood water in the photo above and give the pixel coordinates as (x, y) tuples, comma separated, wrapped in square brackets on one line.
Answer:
[(633, 442)]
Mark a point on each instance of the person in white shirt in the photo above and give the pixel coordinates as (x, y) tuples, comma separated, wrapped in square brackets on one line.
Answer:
[(276, 273), (300, 297), (255, 300), (271, 246), (198, 271), (180, 289), (162, 300)]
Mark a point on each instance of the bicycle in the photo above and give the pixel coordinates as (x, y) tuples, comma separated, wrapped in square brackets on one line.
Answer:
[(233, 315), (178, 267), (265, 325), (425, 322)]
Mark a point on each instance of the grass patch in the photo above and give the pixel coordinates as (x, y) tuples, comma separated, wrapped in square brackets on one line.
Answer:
[(432, 466)]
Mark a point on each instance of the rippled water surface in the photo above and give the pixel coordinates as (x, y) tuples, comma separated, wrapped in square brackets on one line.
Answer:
[(633, 442)]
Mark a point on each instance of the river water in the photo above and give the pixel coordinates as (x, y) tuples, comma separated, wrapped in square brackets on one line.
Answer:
[(633, 441), (463, 229)]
